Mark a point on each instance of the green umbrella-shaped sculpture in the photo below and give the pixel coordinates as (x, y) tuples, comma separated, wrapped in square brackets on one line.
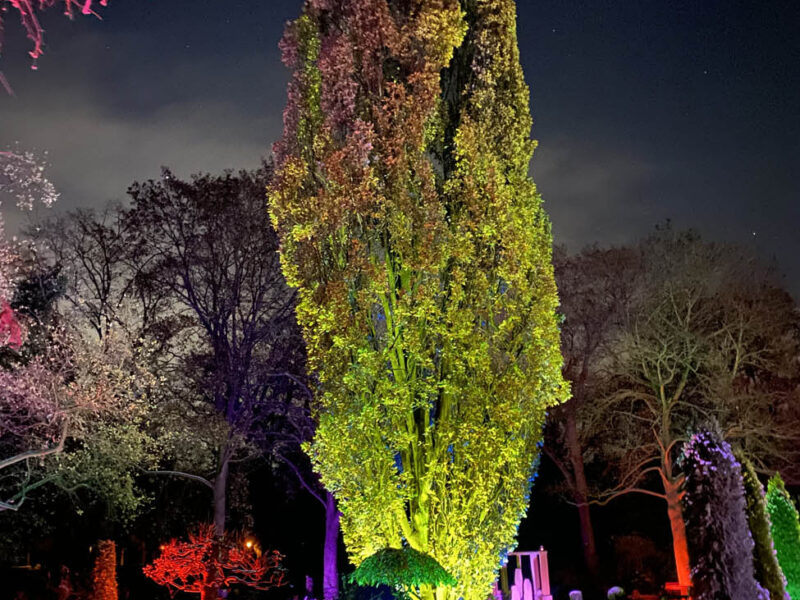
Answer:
[(403, 569)]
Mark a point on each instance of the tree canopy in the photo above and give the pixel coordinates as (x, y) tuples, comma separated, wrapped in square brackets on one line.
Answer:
[(422, 257)]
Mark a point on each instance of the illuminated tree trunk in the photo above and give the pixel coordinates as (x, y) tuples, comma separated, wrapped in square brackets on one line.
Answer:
[(104, 575), (581, 493), (680, 547), (330, 572), (209, 593), (211, 587)]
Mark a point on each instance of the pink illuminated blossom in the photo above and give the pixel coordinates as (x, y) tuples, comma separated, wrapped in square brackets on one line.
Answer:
[(22, 177)]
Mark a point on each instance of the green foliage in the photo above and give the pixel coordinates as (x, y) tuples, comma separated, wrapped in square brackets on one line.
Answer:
[(768, 571), (785, 533), (90, 403), (422, 257), (107, 464), (401, 568)]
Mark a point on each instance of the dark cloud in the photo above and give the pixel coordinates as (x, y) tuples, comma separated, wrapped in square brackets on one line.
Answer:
[(96, 154), (104, 127), (586, 187)]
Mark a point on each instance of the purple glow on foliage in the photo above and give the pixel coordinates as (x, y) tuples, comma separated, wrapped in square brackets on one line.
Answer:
[(720, 543)]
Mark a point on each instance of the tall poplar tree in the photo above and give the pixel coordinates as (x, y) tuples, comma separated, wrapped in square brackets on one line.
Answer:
[(422, 256)]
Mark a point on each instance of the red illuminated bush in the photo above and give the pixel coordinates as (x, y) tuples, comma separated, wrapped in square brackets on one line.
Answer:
[(205, 564)]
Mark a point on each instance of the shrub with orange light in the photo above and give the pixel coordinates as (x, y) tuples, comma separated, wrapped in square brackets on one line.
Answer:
[(104, 574)]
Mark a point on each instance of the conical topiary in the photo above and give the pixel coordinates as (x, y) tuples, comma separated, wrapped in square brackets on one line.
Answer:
[(720, 544), (785, 533), (765, 561)]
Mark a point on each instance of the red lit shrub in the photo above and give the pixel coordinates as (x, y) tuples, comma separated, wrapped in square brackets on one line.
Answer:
[(205, 563)]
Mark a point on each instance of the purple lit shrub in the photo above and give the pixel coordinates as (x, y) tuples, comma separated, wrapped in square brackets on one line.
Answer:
[(720, 544)]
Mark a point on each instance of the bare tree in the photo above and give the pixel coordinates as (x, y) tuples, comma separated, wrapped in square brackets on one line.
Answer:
[(191, 269), (209, 244), (89, 251), (705, 336), (595, 288)]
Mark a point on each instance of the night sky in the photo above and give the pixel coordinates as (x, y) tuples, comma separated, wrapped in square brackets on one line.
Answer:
[(644, 110)]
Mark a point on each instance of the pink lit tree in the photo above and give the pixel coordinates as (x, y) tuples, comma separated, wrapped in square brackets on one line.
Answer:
[(31, 424), (65, 391), (73, 417), (34, 424), (28, 13), (22, 177)]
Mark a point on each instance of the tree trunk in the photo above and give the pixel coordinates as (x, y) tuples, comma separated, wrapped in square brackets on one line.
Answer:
[(210, 592), (581, 494), (211, 589), (330, 571), (220, 493), (680, 546)]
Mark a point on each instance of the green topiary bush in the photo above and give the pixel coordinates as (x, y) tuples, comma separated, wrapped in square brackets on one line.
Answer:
[(768, 571), (402, 569), (785, 533)]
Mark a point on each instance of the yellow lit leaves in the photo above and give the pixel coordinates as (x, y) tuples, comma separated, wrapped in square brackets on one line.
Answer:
[(422, 257)]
